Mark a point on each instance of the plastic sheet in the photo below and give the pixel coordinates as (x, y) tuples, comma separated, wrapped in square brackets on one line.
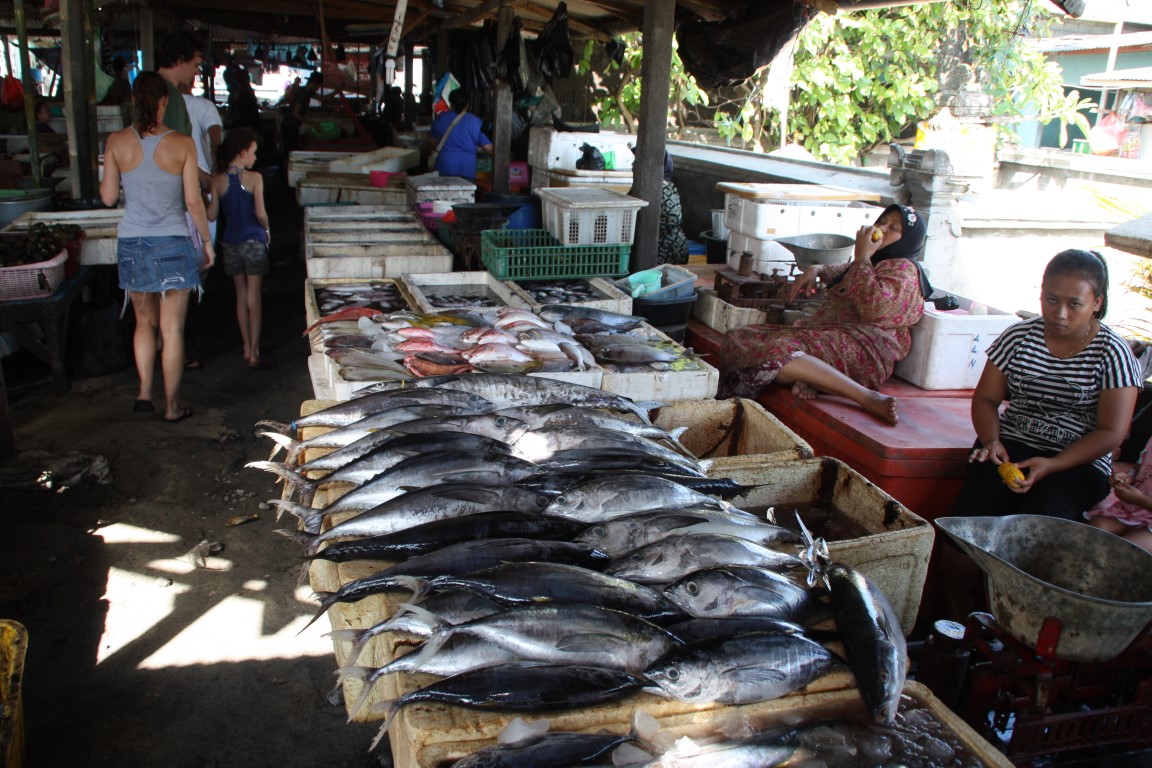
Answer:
[(727, 52)]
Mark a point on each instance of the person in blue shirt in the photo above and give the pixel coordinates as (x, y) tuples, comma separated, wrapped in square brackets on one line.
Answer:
[(464, 135)]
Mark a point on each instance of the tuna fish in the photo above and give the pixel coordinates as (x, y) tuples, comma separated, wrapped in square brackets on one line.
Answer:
[(621, 535), (744, 591), (550, 750), (675, 557)]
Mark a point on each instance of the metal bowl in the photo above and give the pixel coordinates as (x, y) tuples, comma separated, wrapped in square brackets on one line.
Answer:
[(819, 248), (1098, 585)]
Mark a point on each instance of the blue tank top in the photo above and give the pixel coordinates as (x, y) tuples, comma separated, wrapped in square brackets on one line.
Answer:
[(239, 207), (154, 198)]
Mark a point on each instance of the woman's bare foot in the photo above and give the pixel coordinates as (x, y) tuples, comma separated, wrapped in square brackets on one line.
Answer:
[(882, 407), (804, 391)]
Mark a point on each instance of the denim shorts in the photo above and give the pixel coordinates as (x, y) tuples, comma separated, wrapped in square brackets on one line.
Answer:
[(157, 264), (247, 258)]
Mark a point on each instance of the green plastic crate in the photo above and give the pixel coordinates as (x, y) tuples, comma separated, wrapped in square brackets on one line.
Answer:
[(533, 254)]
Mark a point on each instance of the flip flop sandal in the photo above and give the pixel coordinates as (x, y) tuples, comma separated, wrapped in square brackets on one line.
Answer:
[(183, 415)]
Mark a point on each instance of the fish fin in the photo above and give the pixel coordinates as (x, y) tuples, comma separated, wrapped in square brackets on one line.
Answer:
[(393, 707), (295, 535), (354, 673), (427, 649), (432, 620), (278, 426), (290, 446), (417, 585), (281, 470), (308, 516), (345, 634), (328, 599), (592, 642), (369, 677)]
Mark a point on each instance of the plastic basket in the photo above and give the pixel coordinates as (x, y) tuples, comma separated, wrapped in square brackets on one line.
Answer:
[(32, 281), (477, 217), (524, 254), (590, 216)]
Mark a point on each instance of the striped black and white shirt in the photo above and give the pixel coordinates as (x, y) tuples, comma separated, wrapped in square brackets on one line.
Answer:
[(1052, 401)]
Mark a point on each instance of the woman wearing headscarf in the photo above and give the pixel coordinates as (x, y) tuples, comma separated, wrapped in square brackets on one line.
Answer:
[(858, 334)]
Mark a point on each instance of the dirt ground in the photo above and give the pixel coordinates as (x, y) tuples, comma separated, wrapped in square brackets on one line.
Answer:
[(137, 656)]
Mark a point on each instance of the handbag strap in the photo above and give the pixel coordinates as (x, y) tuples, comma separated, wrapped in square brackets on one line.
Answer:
[(451, 125)]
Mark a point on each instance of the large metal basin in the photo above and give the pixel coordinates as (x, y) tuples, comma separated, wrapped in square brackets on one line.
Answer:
[(1097, 584), (819, 248), (15, 202)]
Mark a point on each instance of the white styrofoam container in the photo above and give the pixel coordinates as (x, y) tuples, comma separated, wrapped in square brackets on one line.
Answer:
[(98, 246), (611, 298), (768, 219), (549, 148), (418, 287), (663, 386), (589, 216), (320, 191), (318, 373), (373, 261), (620, 181), (948, 347), (769, 254), (383, 159), (432, 186), (721, 316), (301, 163)]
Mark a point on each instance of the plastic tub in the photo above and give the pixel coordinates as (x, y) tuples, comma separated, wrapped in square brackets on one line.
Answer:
[(717, 247), (644, 283), (664, 313)]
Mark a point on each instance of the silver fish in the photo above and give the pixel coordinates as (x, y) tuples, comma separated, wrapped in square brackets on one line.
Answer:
[(542, 444), (742, 591), (607, 497), (460, 654), (694, 630), (729, 754), (566, 416), (549, 749), (344, 413), (739, 670), (872, 639), (621, 535), (565, 313), (675, 557), (414, 507)]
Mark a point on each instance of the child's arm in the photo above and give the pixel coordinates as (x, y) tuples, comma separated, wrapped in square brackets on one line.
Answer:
[(258, 198), (214, 203), (1131, 495)]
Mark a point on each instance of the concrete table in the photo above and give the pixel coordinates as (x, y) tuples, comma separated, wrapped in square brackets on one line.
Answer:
[(1132, 236)]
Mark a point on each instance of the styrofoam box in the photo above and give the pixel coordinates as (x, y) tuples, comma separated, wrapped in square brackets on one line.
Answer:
[(619, 181), (430, 749), (948, 347), (320, 191), (300, 163), (312, 308), (721, 316), (770, 252), (611, 298), (893, 553), (589, 216), (480, 281), (383, 159), (663, 386), (408, 230), (549, 148), (98, 245), (318, 374), (374, 261), (432, 186), (732, 427), (768, 219)]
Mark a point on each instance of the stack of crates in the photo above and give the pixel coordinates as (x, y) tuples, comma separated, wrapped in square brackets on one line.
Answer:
[(590, 216)]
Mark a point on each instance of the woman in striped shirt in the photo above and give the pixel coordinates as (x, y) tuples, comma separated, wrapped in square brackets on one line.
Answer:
[(1071, 384)]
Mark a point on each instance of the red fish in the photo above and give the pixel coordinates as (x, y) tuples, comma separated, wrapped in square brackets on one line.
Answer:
[(419, 367), (344, 314)]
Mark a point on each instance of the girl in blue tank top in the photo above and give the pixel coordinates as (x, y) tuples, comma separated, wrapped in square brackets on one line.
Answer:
[(239, 193)]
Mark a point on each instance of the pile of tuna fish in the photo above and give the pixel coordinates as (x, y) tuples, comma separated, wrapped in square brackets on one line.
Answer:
[(369, 345), (558, 551)]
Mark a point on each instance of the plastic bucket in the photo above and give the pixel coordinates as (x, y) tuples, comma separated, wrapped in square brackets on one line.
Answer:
[(717, 247), (644, 283), (379, 178)]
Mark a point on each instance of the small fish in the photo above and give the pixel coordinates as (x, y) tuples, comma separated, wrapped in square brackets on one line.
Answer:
[(675, 557), (343, 314), (566, 313)]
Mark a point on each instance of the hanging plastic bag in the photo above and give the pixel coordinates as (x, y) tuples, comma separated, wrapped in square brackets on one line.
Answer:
[(553, 49), (591, 159), (11, 92)]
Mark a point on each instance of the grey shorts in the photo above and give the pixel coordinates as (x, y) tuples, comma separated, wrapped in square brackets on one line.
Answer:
[(247, 258)]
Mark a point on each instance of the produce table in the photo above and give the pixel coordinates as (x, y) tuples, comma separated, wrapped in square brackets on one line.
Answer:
[(50, 315)]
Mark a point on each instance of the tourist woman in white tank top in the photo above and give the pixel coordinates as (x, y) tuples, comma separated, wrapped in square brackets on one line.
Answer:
[(158, 262)]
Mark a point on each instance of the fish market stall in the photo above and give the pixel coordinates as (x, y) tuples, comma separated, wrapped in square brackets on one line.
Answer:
[(98, 245), (301, 163), (329, 188)]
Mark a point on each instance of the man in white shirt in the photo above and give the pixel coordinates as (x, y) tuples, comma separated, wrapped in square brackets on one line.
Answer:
[(207, 133)]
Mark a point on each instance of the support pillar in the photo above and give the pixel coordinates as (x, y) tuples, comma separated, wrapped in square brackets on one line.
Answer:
[(932, 188)]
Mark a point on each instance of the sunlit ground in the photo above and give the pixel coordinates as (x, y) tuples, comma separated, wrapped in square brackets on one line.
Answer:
[(232, 630)]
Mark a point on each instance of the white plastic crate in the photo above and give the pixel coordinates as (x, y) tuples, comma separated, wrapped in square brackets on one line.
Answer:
[(549, 148), (948, 347), (592, 216), (767, 219), (452, 189), (620, 181)]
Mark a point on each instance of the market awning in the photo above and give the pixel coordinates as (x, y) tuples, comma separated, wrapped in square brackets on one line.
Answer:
[(1139, 78)]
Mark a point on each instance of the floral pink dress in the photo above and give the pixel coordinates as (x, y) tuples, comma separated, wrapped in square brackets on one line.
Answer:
[(1129, 514), (862, 329)]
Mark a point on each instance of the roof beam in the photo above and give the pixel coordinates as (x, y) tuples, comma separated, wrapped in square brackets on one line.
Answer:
[(479, 13)]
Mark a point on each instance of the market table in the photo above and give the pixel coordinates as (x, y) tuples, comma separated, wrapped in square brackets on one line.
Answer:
[(1132, 236), (49, 315)]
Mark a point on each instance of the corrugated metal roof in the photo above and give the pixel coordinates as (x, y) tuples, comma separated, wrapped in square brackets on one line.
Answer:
[(1080, 43), (1140, 77)]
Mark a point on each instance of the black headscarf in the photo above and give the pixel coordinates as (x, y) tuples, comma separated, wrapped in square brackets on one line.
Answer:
[(913, 233)]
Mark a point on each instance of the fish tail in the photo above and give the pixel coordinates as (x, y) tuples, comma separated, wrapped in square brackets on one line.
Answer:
[(278, 426), (308, 516), (303, 538), (644, 406), (393, 708), (674, 439), (428, 648), (298, 481), (290, 446), (328, 600), (431, 620)]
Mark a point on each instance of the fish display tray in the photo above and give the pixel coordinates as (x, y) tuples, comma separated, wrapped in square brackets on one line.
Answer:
[(663, 386), (590, 216), (734, 427), (352, 189), (618, 181), (432, 186), (98, 246), (721, 316), (893, 553), (13, 647), (312, 307), (534, 254), (32, 281), (609, 297), (779, 713), (377, 260), (419, 286), (301, 163), (383, 159)]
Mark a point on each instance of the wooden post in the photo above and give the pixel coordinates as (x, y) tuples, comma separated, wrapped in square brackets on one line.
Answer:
[(648, 168), (409, 97), (502, 116), (76, 33), (29, 95)]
